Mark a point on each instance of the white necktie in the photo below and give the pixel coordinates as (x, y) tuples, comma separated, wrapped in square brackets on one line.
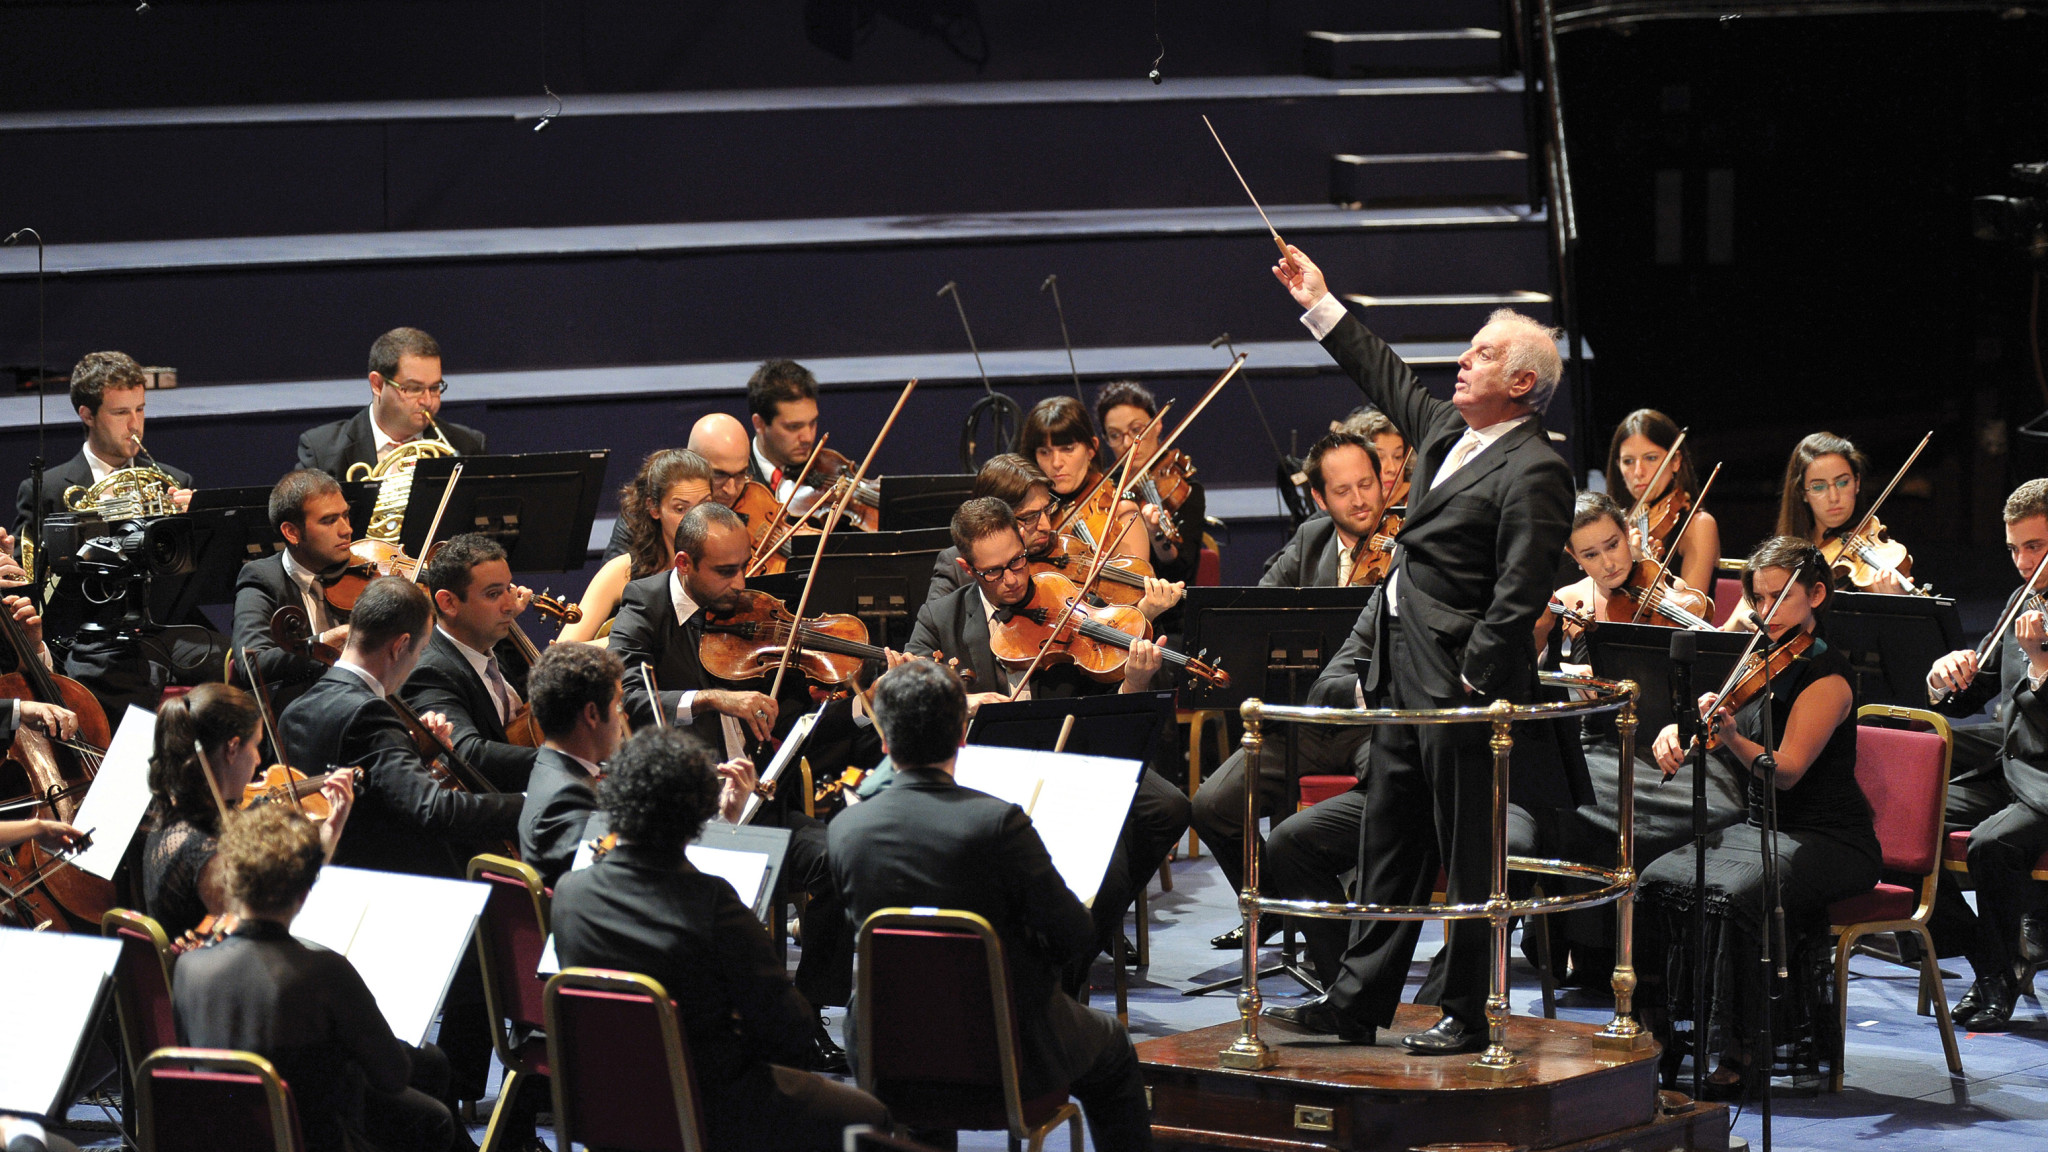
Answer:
[(1468, 447)]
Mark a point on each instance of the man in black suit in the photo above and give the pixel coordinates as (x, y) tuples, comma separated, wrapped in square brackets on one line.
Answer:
[(1344, 480), (303, 1008), (1488, 515), (782, 402), (405, 396), (108, 395), (927, 842), (309, 511), (2003, 804), (468, 671), (645, 908), (576, 692), (1017, 482), (955, 628), (660, 625)]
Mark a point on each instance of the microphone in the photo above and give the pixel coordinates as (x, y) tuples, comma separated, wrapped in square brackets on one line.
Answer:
[(1685, 650), (1218, 342)]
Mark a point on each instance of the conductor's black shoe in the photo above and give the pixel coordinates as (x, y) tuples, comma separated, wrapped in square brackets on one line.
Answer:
[(1320, 1017), (1446, 1037), (1233, 940), (827, 1056), (2034, 938)]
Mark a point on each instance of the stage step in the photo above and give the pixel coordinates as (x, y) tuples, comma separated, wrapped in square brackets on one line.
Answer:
[(1445, 52), (1443, 317), (712, 156), (572, 297), (1380, 181)]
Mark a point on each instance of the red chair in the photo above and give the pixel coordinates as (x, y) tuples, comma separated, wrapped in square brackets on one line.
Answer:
[(1208, 567), (1904, 775), (208, 1099), (509, 940), (937, 1028), (142, 983), (1727, 597), (615, 1045)]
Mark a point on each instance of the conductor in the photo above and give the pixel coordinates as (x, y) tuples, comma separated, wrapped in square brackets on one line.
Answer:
[(1488, 517)]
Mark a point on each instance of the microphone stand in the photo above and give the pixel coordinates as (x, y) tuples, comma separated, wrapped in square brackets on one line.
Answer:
[(1773, 896), (1686, 710), (35, 472)]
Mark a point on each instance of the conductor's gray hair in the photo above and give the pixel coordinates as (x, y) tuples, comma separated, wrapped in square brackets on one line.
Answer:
[(1533, 349)]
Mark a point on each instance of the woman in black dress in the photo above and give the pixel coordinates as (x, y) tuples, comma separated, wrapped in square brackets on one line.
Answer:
[(1826, 846)]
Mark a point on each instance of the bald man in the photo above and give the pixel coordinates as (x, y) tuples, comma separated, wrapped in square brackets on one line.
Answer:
[(723, 443)]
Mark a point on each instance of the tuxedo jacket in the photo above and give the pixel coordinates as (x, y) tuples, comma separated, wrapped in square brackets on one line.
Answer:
[(2023, 721), (956, 626), (1476, 555), (75, 471), (946, 575), (333, 447), (928, 842), (560, 796), (403, 820), (261, 588), (646, 632), (1310, 558), (445, 682)]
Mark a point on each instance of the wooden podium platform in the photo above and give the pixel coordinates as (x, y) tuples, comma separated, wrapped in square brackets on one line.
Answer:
[(1326, 1096)]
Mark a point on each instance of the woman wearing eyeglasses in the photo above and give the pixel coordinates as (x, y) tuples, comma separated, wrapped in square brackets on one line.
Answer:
[(1823, 499)]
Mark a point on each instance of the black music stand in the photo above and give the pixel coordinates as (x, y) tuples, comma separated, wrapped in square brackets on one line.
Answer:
[(1642, 653), (922, 501), (881, 577), (230, 527), (1121, 726), (1891, 642), (757, 839), (539, 505), (1272, 641)]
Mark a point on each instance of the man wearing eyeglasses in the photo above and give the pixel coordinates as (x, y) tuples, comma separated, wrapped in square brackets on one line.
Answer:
[(405, 398), (1016, 482)]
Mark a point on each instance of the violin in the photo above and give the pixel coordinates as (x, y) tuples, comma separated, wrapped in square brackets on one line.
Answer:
[(284, 784), (1095, 640), (1122, 580), (213, 928), (1166, 486), (1655, 521), (521, 728), (1373, 556), (1645, 599), (1091, 517), (1868, 555), (833, 467), (747, 643), (1757, 670)]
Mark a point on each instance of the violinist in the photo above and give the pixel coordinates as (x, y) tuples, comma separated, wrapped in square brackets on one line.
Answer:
[(309, 511), (782, 402), (577, 690), (2004, 803), (1645, 449), (209, 745), (1017, 482), (303, 1008), (959, 624), (470, 672), (1601, 546), (1826, 844), (1059, 436), (1345, 480), (1823, 499), (1126, 410), (1389, 445), (405, 397), (670, 483)]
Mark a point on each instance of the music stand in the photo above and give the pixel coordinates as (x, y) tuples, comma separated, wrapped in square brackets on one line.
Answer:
[(231, 527), (1121, 726), (922, 501), (881, 577), (1272, 641), (1891, 642), (539, 505), (1642, 653)]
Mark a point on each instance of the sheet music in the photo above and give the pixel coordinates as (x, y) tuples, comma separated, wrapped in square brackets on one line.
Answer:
[(119, 797), (405, 935), (1077, 803), (68, 971), (791, 744)]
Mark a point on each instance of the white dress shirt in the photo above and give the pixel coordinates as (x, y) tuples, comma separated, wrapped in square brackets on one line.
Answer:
[(101, 469), (988, 613), (735, 737), (767, 467), (310, 596), (363, 673), (480, 662)]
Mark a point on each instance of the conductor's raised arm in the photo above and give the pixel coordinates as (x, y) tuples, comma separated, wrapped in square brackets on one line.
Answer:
[(1387, 381)]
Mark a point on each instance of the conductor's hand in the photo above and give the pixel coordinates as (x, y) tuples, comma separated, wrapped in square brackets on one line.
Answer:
[(1143, 664), (1160, 595), (1953, 672), (49, 719), (753, 709), (1669, 753), (1303, 279), (736, 781)]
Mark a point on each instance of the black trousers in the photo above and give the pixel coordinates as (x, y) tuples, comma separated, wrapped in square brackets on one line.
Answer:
[(1159, 816), (1429, 800), (412, 1119), (2006, 837), (1291, 751), (776, 1109), (136, 671), (824, 973)]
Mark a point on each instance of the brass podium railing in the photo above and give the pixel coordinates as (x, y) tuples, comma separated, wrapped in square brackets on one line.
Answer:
[(1616, 884)]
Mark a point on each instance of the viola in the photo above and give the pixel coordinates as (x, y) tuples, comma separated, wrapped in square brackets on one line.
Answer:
[(284, 784), (833, 467), (747, 643), (1758, 669), (1122, 580), (1373, 556), (1095, 640), (1866, 556)]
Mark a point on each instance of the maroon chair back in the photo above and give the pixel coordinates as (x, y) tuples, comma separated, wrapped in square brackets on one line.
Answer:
[(1315, 789), (937, 1061), (142, 983), (1902, 774), (202, 1100), (1727, 596), (1208, 568), (622, 1079), (513, 938)]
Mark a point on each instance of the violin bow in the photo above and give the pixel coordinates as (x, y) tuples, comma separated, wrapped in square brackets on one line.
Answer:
[(771, 541), (1664, 565), (206, 770), (1871, 515), (1664, 465), (2005, 620), (1094, 573), (434, 526), (831, 522), (1763, 630), (647, 685), (1236, 363), (261, 691), (1123, 465), (1277, 241)]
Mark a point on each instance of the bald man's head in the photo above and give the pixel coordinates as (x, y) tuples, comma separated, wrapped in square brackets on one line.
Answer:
[(723, 442)]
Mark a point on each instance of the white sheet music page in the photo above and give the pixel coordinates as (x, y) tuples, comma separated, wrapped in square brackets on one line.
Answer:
[(405, 935), (798, 733), (45, 1029), (119, 797), (1077, 803)]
